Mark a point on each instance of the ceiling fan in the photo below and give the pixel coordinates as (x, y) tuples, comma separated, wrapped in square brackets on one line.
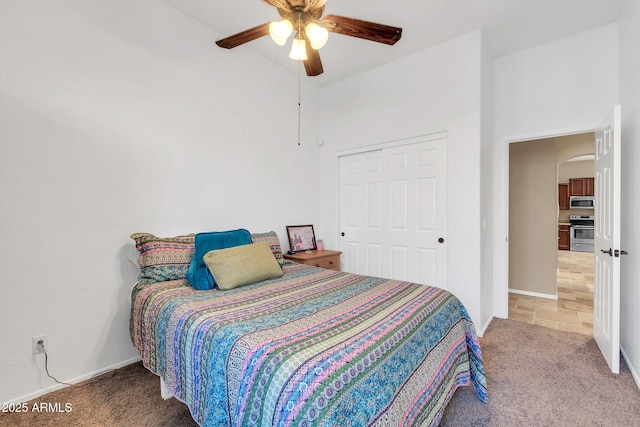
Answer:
[(305, 18)]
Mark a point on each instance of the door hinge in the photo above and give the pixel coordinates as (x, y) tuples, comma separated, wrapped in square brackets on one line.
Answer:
[(617, 253)]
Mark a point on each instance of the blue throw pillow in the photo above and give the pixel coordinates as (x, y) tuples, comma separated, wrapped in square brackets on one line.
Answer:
[(198, 274)]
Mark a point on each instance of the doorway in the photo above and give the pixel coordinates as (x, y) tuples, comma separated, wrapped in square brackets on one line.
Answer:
[(549, 286)]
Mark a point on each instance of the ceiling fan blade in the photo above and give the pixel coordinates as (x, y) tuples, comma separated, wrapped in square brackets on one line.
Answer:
[(312, 64), (362, 29), (244, 36)]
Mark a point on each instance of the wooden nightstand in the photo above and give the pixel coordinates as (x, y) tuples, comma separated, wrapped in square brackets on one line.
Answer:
[(324, 259)]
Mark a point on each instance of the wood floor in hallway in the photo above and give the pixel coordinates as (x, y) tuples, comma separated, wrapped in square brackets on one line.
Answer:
[(573, 310)]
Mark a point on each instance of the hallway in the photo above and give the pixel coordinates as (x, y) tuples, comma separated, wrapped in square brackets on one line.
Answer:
[(573, 310)]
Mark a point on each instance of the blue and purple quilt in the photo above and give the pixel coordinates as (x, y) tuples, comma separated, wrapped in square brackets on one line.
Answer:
[(315, 347)]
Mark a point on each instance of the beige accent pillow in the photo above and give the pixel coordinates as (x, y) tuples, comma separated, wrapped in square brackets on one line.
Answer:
[(242, 265)]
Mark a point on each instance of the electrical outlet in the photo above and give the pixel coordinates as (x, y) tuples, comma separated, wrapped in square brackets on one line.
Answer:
[(37, 346)]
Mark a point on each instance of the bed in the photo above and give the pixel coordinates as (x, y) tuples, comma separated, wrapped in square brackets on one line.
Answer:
[(311, 347)]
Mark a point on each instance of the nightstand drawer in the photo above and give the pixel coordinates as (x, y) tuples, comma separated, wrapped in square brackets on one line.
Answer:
[(330, 262), (323, 259)]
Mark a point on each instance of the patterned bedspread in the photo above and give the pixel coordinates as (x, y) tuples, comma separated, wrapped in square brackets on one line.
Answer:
[(314, 347)]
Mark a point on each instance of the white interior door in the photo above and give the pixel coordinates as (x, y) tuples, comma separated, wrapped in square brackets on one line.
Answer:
[(606, 297), (393, 212)]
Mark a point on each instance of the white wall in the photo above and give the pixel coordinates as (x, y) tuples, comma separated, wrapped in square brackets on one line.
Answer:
[(630, 265), (487, 190), (558, 88), (121, 117), (434, 90)]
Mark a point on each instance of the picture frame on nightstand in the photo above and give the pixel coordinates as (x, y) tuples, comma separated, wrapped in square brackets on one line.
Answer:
[(301, 238)]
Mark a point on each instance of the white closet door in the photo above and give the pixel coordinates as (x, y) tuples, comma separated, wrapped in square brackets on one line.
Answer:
[(361, 192), (393, 212)]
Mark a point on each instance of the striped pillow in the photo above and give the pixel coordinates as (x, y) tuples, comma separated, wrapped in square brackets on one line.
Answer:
[(274, 243), (163, 258)]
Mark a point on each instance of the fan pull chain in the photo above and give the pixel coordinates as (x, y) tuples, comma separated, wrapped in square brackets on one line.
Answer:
[(299, 79)]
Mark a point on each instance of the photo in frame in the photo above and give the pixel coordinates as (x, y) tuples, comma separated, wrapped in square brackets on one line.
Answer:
[(301, 237)]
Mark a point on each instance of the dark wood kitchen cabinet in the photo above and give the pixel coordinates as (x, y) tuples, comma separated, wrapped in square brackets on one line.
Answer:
[(563, 196), (564, 237), (590, 189), (581, 187)]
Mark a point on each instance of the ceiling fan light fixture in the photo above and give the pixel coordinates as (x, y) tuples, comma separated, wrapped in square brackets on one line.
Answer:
[(316, 3), (299, 50), (312, 27), (280, 31), (316, 34)]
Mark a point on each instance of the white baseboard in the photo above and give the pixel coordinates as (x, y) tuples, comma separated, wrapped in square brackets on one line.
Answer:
[(484, 328), (164, 390), (76, 380), (532, 294), (634, 373)]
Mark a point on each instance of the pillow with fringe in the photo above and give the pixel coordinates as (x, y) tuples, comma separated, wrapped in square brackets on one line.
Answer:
[(163, 258)]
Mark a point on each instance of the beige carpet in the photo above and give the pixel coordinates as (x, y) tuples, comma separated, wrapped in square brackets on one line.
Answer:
[(543, 377), (536, 377)]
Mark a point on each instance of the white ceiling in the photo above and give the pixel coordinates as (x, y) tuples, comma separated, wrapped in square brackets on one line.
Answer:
[(508, 26)]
